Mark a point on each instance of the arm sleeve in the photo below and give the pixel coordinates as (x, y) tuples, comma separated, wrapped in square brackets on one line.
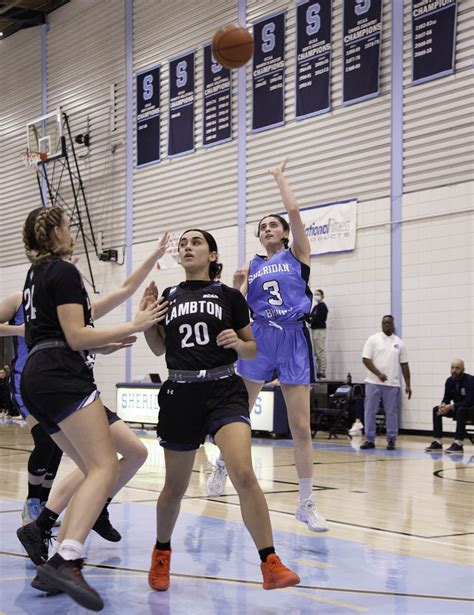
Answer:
[(447, 392), (368, 349), (403, 354), (66, 284), (324, 315), (239, 307)]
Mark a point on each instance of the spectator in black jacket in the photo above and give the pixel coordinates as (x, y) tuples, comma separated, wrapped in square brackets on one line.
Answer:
[(458, 403), (317, 321)]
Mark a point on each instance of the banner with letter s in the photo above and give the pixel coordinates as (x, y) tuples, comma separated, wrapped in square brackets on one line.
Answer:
[(330, 227)]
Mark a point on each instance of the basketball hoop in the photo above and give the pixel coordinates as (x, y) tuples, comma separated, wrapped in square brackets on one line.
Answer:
[(32, 159)]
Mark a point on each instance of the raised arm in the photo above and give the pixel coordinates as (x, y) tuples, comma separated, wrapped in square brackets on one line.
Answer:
[(240, 279), (111, 300), (154, 336), (8, 309), (300, 246)]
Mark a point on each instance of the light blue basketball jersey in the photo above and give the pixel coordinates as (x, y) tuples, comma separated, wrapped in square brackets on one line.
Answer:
[(278, 288)]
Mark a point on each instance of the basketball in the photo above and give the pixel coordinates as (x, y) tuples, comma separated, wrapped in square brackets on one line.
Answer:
[(232, 46)]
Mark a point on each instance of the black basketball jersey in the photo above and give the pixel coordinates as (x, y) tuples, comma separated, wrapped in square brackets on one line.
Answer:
[(198, 311), (54, 283)]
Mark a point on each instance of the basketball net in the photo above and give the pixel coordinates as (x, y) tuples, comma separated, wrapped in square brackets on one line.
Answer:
[(32, 159)]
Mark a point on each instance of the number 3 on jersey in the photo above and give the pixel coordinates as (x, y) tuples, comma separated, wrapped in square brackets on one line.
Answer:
[(274, 290), (201, 334)]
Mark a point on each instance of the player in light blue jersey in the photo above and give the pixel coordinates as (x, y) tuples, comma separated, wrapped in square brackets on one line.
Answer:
[(276, 287)]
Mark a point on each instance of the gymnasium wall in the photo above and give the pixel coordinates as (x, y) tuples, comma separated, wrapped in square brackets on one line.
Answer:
[(344, 153)]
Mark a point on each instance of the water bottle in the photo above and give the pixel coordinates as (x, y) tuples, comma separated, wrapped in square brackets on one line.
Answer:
[(349, 378)]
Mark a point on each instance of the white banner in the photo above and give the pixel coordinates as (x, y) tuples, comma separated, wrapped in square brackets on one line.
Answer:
[(330, 228)]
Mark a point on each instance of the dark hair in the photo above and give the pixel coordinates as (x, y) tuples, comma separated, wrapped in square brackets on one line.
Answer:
[(283, 222), (215, 268), (389, 316), (321, 292), (39, 246)]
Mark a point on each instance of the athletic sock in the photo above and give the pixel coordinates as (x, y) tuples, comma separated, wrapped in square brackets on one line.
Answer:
[(163, 546), (46, 520), (306, 488), (55, 548), (458, 442), (264, 553), (34, 491), (71, 549)]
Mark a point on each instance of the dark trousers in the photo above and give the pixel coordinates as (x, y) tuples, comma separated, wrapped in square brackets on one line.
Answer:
[(461, 415)]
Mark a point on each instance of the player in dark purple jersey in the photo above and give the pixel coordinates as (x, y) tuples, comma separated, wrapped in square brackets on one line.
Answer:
[(205, 330), (276, 287)]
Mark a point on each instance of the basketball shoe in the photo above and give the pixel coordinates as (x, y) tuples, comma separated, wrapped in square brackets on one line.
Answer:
[(276, 575), (216, 480), (35, 542), (31, 510), (308, 513), (159, 573)]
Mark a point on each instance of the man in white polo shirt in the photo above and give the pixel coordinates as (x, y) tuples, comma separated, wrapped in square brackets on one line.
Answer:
[(384, 353)]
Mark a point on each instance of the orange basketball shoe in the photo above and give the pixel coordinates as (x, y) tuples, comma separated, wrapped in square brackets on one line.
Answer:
[(159, 573), (276, 575)]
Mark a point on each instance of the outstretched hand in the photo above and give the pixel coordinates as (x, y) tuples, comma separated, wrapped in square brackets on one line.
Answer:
[(162, 246), (279, 169), (239, 278), (150, 295), (126, 342)]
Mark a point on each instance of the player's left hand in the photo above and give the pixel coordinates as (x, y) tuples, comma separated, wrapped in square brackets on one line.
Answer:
[(112, 347), (228, 339), (162, 246), (279, 169)]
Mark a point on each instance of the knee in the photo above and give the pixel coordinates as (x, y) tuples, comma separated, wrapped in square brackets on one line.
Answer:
[(172, 490), (137, 454), (301, 431), (244, 479)]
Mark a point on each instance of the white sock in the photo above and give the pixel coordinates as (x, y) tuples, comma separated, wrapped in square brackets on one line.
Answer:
[(71, 549), (458, 442), (220, 461), (439, 441), (54, 548), (306, 488)]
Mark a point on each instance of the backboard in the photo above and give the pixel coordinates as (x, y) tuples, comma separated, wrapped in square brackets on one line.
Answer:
[(45, 134)]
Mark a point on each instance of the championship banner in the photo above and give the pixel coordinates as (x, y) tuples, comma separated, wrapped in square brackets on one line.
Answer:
[(433, 39), (313, 58), (361, 50), (217, 103), (268, 77), (181, 106), (148, 116), (331, 227)]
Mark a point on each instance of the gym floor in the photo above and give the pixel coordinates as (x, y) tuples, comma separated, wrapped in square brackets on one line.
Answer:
[(401, 536)]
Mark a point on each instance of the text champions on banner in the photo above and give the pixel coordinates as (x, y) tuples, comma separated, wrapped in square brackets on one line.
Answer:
[(362, 36), (268, 78), (148, 116), (331, 227), (433, 39), (217, 103), (313, 57), (181, 105)]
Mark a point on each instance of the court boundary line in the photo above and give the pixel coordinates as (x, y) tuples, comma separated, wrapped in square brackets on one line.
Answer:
[(372, 592)]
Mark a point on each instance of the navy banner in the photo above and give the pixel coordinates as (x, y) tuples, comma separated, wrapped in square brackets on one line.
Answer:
[(433, 39), (313, 57), (361, 50), (148, 116), (217, 103), (268, 80), (181, 105)]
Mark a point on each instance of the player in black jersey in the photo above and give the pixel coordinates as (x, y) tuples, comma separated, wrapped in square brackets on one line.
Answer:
[(205, 329), (58, 386)]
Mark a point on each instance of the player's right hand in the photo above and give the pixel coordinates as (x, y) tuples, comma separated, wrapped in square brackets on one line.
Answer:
[(153, 314), (240, 275)]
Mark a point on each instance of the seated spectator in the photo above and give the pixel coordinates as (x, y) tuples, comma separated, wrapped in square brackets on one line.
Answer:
[(458, 404)]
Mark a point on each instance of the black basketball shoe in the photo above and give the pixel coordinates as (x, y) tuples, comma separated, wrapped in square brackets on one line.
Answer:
[(105, 529), (65, 575), (35, 542)]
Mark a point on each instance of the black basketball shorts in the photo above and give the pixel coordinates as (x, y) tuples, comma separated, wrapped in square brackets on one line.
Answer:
[(191, 410), (55, 383)]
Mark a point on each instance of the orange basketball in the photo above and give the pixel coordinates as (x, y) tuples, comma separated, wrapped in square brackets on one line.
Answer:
[(232, 46)]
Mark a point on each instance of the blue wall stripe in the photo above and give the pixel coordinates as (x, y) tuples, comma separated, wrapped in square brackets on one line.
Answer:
[(242, 148), (129, 168), (396, 188)]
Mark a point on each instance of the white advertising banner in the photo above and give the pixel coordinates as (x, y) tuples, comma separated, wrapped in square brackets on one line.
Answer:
[(140, 405), (332, 227)]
